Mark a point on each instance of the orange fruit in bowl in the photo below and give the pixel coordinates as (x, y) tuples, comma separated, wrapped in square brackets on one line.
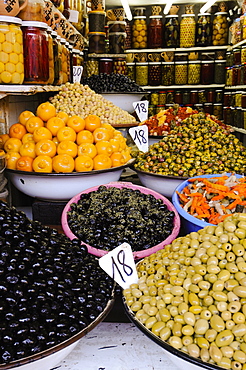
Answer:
[(101, 133), (54, 124), (27, 137), (88, 149), (42, 163), (66, 133), (28, 149), (33, 123), (55, 140), (104, 147), (84, 136), (109, 127), (76, 122), (67, 147), (83, 163), (11, 159), (126, 154), (17, 130), (24, 116), (24, 163), (115, 145), (3, 139), (41, 133), (117, 159), (92, 122), (63, 163), (45, 111), (102, 162), (63, 115), (45, 147), (12, 145)]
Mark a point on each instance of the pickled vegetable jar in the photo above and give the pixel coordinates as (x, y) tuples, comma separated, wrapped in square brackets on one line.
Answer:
[(219, 71), (220, 29), (36, 52), (171, 31), (218, 110), (155, 32), (92, 67), (106, 65), (203, 30), (187, 31), (128, 43), (33, 11), (168, 73), (130, 71), (11, 46), (117, 42), (139, 32), (142, 74), (51, 57), (181, 69), (207, 72), (57, 59), (97, 42), (243, 54), (194, 71), (154, 73)]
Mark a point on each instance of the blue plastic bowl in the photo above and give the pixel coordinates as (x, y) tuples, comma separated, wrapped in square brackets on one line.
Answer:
[(190, 223)]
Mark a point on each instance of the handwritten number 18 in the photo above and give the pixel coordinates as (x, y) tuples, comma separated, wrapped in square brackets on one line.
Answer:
[(121, 261), (141, 107)]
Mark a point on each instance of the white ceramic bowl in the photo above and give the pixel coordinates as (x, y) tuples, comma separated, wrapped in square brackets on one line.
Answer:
[(164, 185), (124, 100), (119, 184), (61, 186), (51, 357)]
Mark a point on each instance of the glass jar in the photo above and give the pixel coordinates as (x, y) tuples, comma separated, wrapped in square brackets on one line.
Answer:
[(219, 71), (162, 97), (199, 107), (117, 42), (194, 97), (229, 59), (168, 73), (154, 73), (151, 110), (235, 75), (64, 57), (203, 30), (51, 57), (187, 31), (208, 108), (220, 29), (130, 68), (33, 11), (243, 100), (207, 72), (194, 71), (119, 66), (236, 56), (219, 96), (11, 32), (92, 67), (228, 76), (244, 119), (202, 98), (218, 110), (227, 115), (210, 96), (178, 98), (96, 20), (128, 43), (170, 97), (186, 97), (243, 54), (96, 42), (106, 65), (36, 52), (171, 31), (57, 59), (238, 99), (139, 32), (181, 69), (154, 98), (155, 32), (142, 74)]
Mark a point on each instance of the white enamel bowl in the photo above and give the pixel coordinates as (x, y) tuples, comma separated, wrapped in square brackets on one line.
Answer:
[(61, 186), (124, 100)]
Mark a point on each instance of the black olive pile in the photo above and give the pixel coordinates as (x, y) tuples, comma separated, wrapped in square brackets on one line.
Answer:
[(113, 82), (108, 217), (50, 287)]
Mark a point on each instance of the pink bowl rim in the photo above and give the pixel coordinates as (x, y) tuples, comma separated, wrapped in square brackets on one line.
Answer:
[(120, 184)]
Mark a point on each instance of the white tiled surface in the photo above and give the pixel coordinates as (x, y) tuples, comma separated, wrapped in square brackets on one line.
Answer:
[(116, 346)]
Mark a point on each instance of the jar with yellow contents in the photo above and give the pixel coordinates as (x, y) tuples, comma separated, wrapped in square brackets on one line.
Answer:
[(187, 31), (11, 51), (220, 29), (139, 32)]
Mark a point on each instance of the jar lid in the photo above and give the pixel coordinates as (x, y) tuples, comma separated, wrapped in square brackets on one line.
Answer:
[(194, 61), (220, 61), (219, 90), (106, 59), (116, 22), (172, 16), (167, 62), (207, 61), (183, 62), (130, 64), (162, 92), (142, 63), (97, 12), (204, 14), (154, 63), (208, 103), (97, 33), (34, 24), (155, 16), (140, 17), (7, 19), (217, 103), (221, 13), (188, 15)]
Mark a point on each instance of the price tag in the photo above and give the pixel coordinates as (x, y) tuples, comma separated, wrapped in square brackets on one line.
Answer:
[(73, 16), (140, 137), (141, 109), (77, 73), (119, 264)]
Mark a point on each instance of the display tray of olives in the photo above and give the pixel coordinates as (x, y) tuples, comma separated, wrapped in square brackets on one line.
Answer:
[(103, 217)]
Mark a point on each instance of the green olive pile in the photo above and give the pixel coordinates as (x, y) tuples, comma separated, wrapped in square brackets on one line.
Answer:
[(195, 147), (50, 287), (110, 216), (77, 99), (192, 294)]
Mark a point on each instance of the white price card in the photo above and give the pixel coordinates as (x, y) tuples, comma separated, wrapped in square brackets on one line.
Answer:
[(141, 109), (73, 16), (140, 137), (119, 264), (77, 73)]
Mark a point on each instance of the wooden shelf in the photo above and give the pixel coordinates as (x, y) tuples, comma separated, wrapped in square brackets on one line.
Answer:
[(195, 48), (176, 87), (25, 89)]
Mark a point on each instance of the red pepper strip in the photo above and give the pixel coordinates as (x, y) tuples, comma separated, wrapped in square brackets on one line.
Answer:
[(200, 179), (232, 195), (216, 186), (233, 204), (182, 197), (196, 195), (218, 197), (186, 190), (193, 205)]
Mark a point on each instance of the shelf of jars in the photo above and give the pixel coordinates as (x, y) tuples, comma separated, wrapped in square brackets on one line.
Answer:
[(177, 87), (192, 49), (236, 87), (26, 89)]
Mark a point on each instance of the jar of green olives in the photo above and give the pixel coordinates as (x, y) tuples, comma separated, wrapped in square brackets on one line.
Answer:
[(142, 74), (181, 69), (130, 68), (187, 31), (194, 70), (168, 73), (219, 71)]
